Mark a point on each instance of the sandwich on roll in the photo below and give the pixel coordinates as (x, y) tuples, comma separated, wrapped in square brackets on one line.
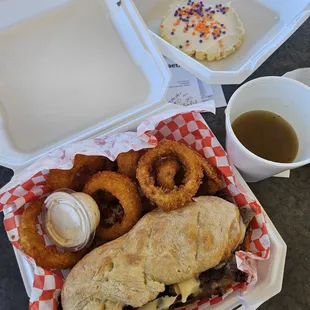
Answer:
[(167, 258)]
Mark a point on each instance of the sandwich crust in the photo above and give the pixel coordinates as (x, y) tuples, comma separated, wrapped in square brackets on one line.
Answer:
[(163, 248)]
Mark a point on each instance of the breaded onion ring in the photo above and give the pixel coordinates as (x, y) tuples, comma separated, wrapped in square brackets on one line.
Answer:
[(33, 244), (127, 163), (75, 178), (178, 196), (126, 191), (166, 171)]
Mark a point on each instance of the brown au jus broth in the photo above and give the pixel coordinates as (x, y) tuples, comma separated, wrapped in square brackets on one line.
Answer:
[(267, 135)]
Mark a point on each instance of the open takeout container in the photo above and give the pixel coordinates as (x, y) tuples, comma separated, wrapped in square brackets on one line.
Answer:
[(266, 247), (267, 25), (75, 70)]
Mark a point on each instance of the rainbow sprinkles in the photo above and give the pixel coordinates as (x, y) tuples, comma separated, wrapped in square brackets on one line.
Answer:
[(203, 31)]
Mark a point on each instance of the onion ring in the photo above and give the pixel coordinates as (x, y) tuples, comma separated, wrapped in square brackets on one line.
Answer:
[(75, 178), (177, 197), (126, 191), (127, 163), (33, 244)]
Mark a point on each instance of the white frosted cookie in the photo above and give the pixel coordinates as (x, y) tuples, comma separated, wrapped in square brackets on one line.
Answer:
[(203, 31)]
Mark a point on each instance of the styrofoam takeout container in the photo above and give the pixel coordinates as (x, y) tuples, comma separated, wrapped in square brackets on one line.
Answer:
[(267, 25), (108, 74), (270, 272)]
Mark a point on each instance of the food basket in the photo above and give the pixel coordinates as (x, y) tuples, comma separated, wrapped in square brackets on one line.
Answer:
[(267, 25), (187, 127), (127, 93)]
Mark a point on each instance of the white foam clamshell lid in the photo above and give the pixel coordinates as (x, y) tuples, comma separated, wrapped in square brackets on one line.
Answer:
[(267, 25), (71, 70)]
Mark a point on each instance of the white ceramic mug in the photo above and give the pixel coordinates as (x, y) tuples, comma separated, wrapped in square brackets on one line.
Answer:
[(286, 97)]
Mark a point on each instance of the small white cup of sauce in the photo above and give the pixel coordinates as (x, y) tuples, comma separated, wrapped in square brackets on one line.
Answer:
[(285, 97), (70, 219)]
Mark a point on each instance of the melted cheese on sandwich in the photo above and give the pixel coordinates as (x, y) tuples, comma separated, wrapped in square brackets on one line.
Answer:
[(187, 288)]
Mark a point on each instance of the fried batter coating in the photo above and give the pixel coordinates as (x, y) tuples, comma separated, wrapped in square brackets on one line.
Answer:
[(127, 163)]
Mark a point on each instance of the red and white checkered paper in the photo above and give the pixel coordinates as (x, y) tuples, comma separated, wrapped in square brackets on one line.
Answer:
[(188, 128)]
